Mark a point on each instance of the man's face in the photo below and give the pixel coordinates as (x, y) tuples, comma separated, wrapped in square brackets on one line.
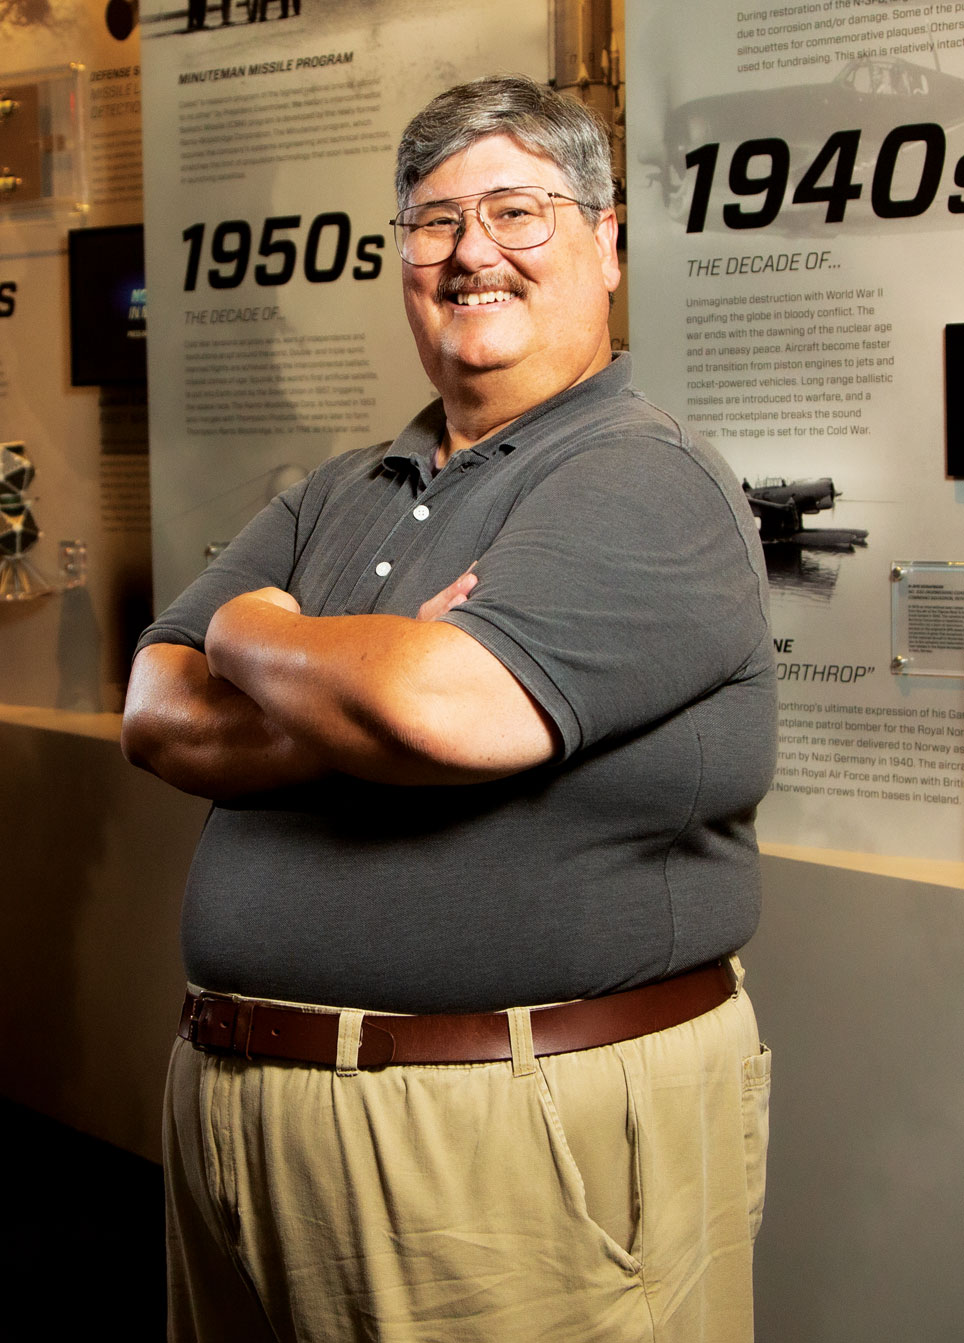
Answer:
[(550, 320)]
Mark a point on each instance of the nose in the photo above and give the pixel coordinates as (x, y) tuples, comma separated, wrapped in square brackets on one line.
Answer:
[(474, 249)]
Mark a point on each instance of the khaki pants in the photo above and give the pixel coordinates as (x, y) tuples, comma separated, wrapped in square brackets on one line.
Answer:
[(606, 1196)]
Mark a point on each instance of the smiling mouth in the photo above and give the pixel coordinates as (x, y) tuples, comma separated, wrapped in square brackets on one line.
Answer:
[(481, 290), (473, 299)]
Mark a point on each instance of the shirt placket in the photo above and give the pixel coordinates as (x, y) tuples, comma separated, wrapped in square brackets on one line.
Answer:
[(414, 514)]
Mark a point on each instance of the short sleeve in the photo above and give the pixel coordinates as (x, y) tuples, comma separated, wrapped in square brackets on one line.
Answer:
[(261, 555), (627, 584)]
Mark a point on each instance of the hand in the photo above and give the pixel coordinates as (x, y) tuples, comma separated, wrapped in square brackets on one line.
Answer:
[(454, 595)]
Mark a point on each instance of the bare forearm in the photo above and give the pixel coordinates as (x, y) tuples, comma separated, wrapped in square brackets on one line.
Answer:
[(337, 682), (202, 735), (279, 698), (382, 697)]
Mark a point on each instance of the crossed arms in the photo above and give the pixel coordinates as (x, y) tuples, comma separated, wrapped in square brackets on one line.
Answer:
[(279, 698)]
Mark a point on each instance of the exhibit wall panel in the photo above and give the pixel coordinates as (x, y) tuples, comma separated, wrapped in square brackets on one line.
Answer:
[(795, 215), (278, 337)]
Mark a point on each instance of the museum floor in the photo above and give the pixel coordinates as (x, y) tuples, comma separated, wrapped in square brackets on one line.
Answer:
[(82, 1236)]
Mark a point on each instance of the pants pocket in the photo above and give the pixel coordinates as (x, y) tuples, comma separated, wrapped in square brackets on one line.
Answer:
[(756, 1132), (592, 1122)]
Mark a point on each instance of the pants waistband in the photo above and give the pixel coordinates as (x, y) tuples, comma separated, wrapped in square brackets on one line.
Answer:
[(250, 1028)]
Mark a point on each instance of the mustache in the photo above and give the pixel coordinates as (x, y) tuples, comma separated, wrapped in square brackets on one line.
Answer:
[(482, 282)]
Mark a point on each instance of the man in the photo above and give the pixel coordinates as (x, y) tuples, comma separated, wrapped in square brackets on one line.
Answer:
[(485, 714)]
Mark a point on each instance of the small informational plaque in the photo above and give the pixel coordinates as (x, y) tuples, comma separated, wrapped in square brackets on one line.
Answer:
[(927, 618)]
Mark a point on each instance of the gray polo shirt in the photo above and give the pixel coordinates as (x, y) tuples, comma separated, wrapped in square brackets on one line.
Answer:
[(622, 582)]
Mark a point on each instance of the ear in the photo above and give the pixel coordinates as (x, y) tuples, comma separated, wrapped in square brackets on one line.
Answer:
[(605, 238)]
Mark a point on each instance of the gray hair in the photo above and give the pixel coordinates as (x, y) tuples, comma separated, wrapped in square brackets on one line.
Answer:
[(543, 121)]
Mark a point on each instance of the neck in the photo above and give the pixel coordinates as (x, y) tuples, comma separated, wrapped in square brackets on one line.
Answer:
[(468, 424), (480, 405)]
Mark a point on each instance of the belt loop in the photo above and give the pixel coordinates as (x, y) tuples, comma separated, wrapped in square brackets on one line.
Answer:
[(349, 1039), (737, 974), (241, 1032), (520, 1038)]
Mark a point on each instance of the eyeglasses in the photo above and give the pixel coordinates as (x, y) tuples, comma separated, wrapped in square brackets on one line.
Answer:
[(513, 217)]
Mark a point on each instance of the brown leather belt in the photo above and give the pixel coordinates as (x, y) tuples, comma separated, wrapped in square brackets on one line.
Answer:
[(250, 1028)]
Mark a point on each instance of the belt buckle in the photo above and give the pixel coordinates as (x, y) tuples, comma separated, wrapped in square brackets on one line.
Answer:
[(197, 1005), (236, 1026)]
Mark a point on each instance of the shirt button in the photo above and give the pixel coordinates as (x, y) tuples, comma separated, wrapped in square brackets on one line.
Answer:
[(383, 568), (420, 513)]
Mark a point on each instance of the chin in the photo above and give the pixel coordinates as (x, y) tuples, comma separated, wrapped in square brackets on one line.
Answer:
[(481, 356)]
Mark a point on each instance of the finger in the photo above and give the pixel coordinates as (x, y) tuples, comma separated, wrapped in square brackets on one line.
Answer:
[(453, 595), (464, 583)]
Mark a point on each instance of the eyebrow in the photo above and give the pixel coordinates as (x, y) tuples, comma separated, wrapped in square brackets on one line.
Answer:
[(474, 195)]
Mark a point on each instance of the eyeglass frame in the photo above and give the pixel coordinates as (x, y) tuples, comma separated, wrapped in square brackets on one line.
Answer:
[(479, 196)]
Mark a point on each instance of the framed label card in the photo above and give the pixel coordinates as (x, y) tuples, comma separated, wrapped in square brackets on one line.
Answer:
[(927, 618)]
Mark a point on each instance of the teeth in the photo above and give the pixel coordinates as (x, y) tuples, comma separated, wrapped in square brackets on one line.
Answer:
[(491, 296)]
